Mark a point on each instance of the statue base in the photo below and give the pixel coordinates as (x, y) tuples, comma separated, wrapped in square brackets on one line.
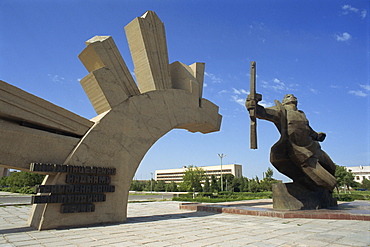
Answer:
[(292, 196)]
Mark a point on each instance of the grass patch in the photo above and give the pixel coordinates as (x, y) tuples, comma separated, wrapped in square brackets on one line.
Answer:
[(241, 196), (141, 201), (223, 197), (355, 195), (142, 194)]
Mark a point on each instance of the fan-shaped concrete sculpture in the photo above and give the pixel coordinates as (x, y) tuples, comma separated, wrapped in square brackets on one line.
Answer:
[(91, 163)]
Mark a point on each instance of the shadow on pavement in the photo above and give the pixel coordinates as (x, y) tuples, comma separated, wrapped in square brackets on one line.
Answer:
[(130, 220), (16, 230), (151, 218)]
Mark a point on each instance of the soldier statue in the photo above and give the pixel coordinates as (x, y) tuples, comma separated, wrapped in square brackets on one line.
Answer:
[(297, 154)]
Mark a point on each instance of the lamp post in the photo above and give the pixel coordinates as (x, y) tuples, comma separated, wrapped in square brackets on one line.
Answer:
[(151, 182), (222, 184)]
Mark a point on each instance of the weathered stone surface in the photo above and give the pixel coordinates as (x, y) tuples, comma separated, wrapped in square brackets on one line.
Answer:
[(182, 77), (101, 51), (291, 196), (3, 171), (20, 146), (109, 82), (297, 154), (98, 84), (24, 108), (198, 73), (125, 134), (33, 129), (147, 41), (127, 125)]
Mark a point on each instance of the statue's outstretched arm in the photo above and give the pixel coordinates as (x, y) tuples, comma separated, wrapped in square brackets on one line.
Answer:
[(317, 136), (269, 114)]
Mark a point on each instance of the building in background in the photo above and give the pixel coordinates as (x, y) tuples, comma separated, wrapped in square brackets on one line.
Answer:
[(169, 175), (360, 172)]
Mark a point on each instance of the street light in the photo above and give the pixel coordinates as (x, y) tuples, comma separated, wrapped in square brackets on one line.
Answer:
[(151, 182), (222, 184)]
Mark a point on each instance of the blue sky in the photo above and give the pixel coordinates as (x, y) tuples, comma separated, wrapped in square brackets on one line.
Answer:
[(317, 50)]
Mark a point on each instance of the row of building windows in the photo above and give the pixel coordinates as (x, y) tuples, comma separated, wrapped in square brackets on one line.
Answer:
[(180, 174), (177, 174), (363, 177)]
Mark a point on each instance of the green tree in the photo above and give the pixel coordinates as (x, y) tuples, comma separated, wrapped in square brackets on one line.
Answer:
[(171, 187), (207, 185), (23, 179), (228, 180), (365, 184), (344, 178), (214, 184), (160, 186), (137, 185), (236, 184), (244, 184), (150, 184), (3, 181), (266, 183), (268, 174), (192, 179), (254, 185)]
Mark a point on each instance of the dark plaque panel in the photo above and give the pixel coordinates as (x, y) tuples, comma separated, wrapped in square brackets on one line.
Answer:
[(72, 198), (74, 189), (77, 208), (52, 168), (85, 185)]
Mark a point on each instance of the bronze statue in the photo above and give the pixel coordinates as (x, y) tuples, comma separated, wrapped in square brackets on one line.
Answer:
[(297, 154)]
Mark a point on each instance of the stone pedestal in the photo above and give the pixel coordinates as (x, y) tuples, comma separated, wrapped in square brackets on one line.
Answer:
[(291, 196)]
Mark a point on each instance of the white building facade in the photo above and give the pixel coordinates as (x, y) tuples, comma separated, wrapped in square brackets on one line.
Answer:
[(169, 175), (360, 172)]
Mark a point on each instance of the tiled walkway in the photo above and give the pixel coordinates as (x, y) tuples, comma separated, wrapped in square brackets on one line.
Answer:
[(164, 224)]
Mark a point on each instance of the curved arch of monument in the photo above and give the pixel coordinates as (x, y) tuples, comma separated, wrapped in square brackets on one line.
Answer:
[(131, 118)]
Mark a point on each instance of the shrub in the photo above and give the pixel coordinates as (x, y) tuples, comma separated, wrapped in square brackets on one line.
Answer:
[(223, 196), (22, 190), (355, 195)]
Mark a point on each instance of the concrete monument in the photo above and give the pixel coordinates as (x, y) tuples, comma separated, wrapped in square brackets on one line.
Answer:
[(4, 172), (90, 163), (297, 154)]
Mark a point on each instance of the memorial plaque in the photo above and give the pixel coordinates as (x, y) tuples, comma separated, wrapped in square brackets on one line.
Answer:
[(87, 179), (54, 168), (85, 185), (67, 189), (72, 198), (77, 208)]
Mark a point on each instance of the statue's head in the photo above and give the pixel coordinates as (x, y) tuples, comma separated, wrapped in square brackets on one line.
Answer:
[(290, 99)]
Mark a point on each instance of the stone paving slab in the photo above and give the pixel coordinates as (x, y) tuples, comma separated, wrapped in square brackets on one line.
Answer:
[(356, 210), (164, 224)]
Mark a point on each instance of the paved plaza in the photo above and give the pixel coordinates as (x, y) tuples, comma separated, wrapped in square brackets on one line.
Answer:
[(164, 224)]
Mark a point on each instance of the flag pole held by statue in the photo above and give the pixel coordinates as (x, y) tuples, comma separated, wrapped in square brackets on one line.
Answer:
[(253, 97)]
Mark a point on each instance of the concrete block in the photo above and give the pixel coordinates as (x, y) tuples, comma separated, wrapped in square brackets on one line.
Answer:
[(147, 41), (291, 196)]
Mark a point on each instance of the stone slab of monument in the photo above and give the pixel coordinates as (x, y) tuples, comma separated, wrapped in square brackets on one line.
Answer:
[(297, 154), (291, 196), (4, 172), (90, 163)]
